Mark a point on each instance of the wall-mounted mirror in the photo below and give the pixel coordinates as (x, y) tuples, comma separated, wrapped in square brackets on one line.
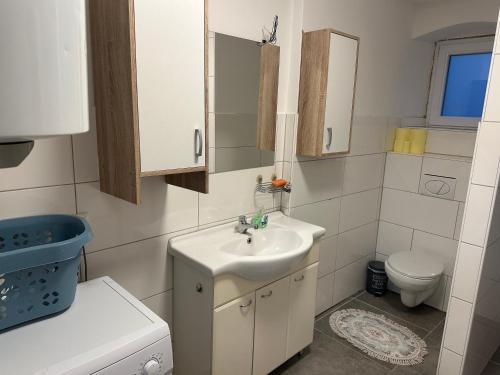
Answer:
[(245, 86)]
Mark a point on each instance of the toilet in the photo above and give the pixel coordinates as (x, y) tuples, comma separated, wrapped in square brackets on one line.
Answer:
[(416, 273)]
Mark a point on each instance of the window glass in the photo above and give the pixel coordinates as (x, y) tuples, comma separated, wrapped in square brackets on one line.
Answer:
[(465, 86)]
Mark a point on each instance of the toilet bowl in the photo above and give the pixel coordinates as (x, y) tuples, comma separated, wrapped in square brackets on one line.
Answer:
[(416, 273)]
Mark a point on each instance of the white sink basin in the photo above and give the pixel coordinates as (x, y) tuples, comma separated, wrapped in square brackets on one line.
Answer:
[(271, 252)]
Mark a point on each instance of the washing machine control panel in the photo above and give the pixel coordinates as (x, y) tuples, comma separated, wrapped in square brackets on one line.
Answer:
[(155, 359)]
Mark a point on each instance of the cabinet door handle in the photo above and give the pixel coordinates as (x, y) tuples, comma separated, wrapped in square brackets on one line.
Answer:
[(300, 278), (246, 304), (330, 135), (198, 143), (268, 294)]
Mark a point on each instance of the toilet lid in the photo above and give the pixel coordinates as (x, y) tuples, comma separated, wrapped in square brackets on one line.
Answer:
[(416, 264)]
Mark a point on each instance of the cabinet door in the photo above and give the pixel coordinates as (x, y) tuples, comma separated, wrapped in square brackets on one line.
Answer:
[(340, 93), (302, 305), (271, 320), (233, 337), (170, 55)]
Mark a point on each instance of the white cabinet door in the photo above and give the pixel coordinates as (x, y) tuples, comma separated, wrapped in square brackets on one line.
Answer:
[(340, 93), (233, 337), (170, 54), (271, 321), (302, 306)]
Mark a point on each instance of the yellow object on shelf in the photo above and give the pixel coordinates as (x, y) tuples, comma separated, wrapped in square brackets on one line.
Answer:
[(402, 136), (406, 147), (418, 138)]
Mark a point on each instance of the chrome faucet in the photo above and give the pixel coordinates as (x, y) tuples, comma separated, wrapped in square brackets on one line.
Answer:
[(243, 225)]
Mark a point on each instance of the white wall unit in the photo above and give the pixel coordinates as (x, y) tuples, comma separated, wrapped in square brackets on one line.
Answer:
[(340, 93), (230, 325), (44, 90), (170, 82)]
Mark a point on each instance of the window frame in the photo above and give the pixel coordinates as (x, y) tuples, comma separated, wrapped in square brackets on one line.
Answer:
[(444, 50)]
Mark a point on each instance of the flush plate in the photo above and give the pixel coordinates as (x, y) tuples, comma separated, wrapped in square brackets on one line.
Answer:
[(438, 186)]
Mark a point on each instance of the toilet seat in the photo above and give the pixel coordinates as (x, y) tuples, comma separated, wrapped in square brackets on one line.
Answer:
[(415, 265)]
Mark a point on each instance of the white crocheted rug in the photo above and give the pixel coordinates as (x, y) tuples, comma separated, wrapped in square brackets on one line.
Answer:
[(379, 337)]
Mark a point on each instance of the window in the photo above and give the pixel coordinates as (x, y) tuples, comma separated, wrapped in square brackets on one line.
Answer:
[(459, 81)]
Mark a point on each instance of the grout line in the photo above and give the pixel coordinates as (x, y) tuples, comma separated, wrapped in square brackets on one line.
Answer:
[(426, 196), (170, 234), (37, 187), (420, 230), (157, 294)]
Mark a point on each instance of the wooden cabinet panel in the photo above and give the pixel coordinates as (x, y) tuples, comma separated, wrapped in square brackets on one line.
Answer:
[(326, 94), (271, 325), (150, 88), (233, 337), (302, 305)]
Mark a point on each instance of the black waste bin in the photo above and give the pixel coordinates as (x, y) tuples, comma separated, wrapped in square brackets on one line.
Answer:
[(376, 278)]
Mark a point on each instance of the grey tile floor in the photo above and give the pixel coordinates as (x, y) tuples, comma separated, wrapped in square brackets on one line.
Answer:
[(330, 354)]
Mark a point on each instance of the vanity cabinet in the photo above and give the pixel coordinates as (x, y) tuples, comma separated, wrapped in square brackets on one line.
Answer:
[(150, 78), (230, 325), (326, 94)]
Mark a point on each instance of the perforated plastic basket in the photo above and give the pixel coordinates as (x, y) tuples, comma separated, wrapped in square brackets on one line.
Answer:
[(39, 265)]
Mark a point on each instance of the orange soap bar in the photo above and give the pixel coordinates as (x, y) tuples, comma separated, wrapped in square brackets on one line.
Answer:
[(279, 182)]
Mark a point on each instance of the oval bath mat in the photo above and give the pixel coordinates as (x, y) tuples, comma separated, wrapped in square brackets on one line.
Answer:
[(379, 337)]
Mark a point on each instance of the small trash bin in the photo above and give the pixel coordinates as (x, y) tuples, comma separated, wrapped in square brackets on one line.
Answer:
[(376, 278)]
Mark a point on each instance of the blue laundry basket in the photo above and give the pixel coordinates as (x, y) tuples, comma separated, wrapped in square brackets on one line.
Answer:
[(39, 265)]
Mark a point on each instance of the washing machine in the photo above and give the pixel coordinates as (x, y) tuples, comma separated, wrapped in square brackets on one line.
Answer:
[(106, 331)]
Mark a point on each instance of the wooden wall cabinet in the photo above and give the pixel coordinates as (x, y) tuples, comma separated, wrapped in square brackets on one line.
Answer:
[(326, 94), (229, 325), (150, 82)]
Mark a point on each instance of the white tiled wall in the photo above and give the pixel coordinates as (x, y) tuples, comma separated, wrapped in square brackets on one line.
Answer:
[(341, 193), (410, 221), (130, 242), (471, 332)]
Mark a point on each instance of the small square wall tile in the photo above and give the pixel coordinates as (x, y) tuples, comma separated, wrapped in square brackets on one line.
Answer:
[(164, 209), (467, 272), (144, 268), (49, 163), (485, 165), (327, 255), (402, 172), (41, 201), (350, 279), (356, 244), (363, 173), (289, 141), (457, 325), (85, 155), (325, 214), (460, 219), (393, 238), (450, 363), (161, 305), (318, 180), (477, 214), (280, 137), (450, 142), (359, 209)]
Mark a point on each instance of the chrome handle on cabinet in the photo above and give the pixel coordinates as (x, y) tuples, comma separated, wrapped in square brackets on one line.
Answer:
[(246, 305), (297, 279), (330, 135), (268, 294), (198, 142)]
